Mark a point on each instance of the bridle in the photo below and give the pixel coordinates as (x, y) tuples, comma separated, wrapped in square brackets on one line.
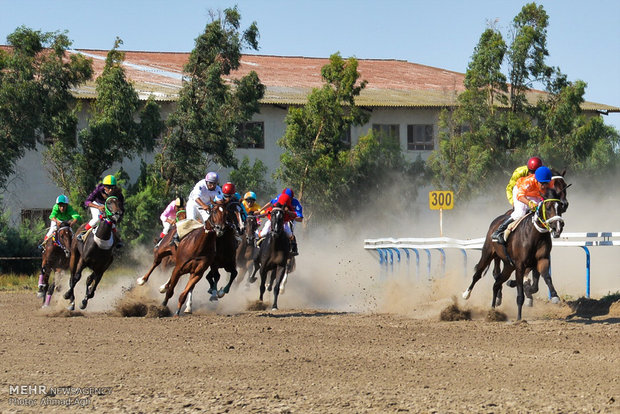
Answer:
[(540, 221), (113, 216), (56, 239)]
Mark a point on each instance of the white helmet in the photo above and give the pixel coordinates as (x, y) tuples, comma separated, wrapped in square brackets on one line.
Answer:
[(212, 177)]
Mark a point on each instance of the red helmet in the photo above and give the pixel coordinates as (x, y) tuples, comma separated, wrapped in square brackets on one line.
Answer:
[(229, 189), (533, 163), (284, 199)]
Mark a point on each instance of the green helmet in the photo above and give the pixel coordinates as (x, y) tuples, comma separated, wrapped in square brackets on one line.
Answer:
[(62, 199), (109, 180)]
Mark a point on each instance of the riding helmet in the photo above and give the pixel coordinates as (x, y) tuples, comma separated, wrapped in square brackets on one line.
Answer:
[(179, 202), (62, 199), (212, 177), (109, 180), (229, 189), (534, 163), (250, 195), (288, 192), (543, 175)]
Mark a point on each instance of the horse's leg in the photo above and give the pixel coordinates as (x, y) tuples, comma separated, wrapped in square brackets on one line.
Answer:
[(520, 295), (276, 290), (543, 270), (91, 281), (142, 280), (263, 279), (496, 273), (232, 269), (213, 277), (172, 282), (256, 262), (497, 285), (195, 276), (75, 278), (163, 288), (50, 291), (188, 307), (483, 264), (43, 279)]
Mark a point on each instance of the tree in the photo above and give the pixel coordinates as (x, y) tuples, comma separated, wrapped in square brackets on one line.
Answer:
[(111, 135), (204, 126), (314, 135), (36, 104), (250, 178), (490, 133)]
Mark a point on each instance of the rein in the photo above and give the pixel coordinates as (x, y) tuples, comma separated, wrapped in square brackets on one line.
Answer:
[(544, 226), (108, 213)]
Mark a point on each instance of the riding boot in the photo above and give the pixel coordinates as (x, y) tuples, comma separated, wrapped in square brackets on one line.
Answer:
[(498, 235), (294, 251)]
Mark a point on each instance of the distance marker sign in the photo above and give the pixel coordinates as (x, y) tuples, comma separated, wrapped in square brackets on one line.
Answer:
[(441, 200)]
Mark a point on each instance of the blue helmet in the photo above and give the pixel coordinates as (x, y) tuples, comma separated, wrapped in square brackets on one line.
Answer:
[(543, 174)]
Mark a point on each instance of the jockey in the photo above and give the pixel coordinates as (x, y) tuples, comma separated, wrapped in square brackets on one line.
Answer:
[(523, 171), (299, 211), (61, 212), (249, 203), (284, 201), (96, 203), (202, 196), (529, 192), (169, 216), (231, 196)]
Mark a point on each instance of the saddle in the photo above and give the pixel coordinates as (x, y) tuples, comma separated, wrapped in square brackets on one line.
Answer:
[(514, 225), (184, 227)]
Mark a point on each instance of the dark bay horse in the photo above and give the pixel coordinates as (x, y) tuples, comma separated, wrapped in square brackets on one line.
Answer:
[(273, 255), (55, 259), (528, 247), (530, 286), (196, 253), (247, 249), (95, 252), (163, 251)]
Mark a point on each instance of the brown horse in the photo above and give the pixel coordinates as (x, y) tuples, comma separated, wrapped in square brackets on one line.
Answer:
[(273, 256), (528, 247), (55, 259), (196, 253), (95, 252), (163, 252), (247, 248), (530, 286)]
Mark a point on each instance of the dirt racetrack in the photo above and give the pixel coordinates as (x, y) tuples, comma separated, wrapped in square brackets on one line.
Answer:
[(301, 361)]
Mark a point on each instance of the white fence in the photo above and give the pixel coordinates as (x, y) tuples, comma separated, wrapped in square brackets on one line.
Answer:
[(389, 249)]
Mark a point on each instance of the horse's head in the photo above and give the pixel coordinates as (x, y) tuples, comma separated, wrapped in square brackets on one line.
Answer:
[(217, 219), (251, 225), (63, 237), (113, 209), (181, 215), (548, 215), (558, 183), (277, 220)]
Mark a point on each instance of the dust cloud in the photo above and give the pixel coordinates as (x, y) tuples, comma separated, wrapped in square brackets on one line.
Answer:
[(335, 273)]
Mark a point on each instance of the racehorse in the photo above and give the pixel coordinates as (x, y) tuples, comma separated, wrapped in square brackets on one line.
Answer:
[(163, 251), (273, 256), (95, 252), (247, 248), (528, 247), (530, 286), (196, 253), (56, 259)]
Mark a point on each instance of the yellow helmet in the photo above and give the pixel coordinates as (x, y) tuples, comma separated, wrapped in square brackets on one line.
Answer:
[(109, 180)]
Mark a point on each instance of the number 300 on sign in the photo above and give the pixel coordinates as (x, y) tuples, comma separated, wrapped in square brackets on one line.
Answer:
[(441, 200)]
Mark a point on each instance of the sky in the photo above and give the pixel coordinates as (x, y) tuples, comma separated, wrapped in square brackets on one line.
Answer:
[(583, 37)]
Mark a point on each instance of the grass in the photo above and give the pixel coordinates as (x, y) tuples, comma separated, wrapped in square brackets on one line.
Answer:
[(18, 282)]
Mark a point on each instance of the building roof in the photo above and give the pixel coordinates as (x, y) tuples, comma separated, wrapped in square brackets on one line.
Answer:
[(289, 79)]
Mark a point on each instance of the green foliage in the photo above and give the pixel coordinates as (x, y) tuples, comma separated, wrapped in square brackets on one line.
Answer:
[(111, 135), (490, 133), (35, 100), (251, 178), (203, 128), (20, 242)]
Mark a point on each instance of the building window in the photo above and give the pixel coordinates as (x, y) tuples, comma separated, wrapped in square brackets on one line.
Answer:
[(387, 131), (420, 138), (346, 137), (251, 135), (34, 214)]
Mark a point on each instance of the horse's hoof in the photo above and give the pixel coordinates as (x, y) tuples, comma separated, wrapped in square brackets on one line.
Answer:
[(178, 312), (71, 307), (83, 304), (187, 311), (498, 301), (274, 308), (555, 300), (67, 295), (163, 288), (511, 283), (220, 293), (466, 294), (529, 302), (213, 298), (40, 294), (252, 280), (140, 281), (269, 287)]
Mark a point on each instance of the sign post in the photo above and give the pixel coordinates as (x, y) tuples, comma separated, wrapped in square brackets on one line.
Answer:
[(440, 200)]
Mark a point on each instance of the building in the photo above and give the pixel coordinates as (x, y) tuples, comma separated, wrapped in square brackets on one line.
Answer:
[(404, 99)]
